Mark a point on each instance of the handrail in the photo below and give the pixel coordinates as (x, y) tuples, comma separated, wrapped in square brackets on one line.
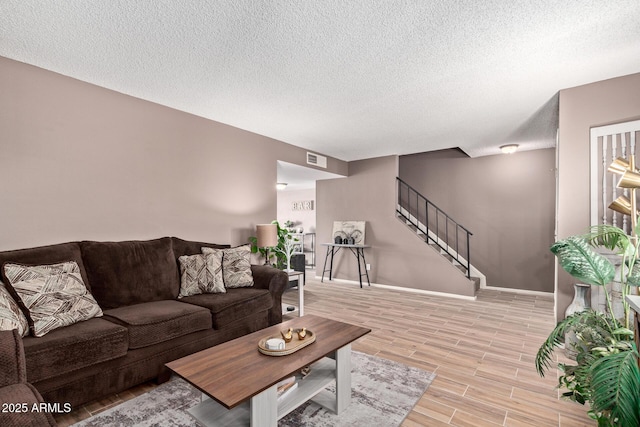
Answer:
[(413, 216)]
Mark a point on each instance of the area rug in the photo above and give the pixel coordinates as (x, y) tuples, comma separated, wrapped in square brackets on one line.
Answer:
[(383, 393)]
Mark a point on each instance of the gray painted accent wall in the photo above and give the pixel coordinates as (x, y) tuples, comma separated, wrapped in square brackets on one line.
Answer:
[(83, 162), (506, 201), (581, 108), (397, 256)]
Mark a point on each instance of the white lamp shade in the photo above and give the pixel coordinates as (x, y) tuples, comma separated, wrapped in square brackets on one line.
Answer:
[(267, 235)]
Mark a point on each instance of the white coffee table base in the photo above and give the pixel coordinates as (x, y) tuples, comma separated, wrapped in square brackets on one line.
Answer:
[(264, 410)]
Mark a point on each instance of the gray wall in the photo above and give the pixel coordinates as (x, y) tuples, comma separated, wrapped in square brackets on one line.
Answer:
[(506, 201), (84, 162), (397, 256), (581, 108)]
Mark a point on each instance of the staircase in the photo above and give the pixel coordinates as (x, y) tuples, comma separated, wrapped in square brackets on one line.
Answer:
[(437, 229)]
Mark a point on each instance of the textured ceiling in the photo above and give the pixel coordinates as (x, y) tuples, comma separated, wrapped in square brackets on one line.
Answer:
[(351, 79)]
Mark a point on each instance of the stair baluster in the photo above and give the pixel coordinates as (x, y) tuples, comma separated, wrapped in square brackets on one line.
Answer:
[(431, 236)]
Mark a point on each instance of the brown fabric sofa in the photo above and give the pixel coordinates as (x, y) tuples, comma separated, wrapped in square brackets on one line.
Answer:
[(21, 401), (144, 326)]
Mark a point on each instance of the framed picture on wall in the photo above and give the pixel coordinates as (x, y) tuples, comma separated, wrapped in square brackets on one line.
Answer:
[(350, 229)]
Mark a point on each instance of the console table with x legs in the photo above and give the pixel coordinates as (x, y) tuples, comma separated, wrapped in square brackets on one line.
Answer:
[(356, 250)]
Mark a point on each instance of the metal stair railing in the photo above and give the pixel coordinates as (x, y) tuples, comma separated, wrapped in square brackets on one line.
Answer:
[(438, 227)]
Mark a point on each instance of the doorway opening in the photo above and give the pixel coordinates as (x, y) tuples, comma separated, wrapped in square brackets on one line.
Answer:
[(296, 204)]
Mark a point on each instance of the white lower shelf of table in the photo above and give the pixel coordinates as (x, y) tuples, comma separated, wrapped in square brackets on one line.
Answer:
[(211, 413), (322, 374), (294, 311)]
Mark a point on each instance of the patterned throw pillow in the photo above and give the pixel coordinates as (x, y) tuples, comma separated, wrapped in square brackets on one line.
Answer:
[(54, 295), (201, 274), (11, 317), (236, 266)]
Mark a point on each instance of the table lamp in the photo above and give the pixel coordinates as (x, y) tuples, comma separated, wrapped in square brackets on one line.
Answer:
[(267, 237)]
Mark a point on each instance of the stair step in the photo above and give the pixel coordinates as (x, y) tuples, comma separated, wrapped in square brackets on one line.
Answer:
[(476, 282), (441, 251)]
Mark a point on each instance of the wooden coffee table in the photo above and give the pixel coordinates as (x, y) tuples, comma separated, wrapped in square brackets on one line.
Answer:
[(239, 383)]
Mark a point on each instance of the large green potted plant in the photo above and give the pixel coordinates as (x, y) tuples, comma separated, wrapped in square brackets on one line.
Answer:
[(606, 373)]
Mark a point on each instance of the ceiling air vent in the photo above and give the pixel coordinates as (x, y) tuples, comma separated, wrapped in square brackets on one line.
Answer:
[(316, 160)]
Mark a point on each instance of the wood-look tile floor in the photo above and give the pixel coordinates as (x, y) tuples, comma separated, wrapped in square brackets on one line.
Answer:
[(482, 352)]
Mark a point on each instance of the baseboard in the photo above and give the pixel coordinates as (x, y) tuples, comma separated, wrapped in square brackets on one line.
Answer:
[(519, 291), (402, 289)]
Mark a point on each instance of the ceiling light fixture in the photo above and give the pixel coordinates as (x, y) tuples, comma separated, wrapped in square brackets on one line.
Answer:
[(509, 148), (281, 185)]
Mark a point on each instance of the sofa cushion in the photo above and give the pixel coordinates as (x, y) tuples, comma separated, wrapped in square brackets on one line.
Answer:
[(74, 347), (201, 274), (236, 266), (131, 272), (188, 247), (54, 295), (234, 305), (11, 317), (51, 254), (159, 321)]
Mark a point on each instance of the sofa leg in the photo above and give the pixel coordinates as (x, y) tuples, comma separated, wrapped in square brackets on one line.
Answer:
[(163, 376)]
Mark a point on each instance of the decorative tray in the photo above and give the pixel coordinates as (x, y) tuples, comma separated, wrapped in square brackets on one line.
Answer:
[(289, 347)]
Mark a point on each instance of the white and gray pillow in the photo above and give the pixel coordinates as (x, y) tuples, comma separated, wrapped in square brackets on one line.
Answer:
[(236, 266), (54, 295), (11, 317), (201, 274)]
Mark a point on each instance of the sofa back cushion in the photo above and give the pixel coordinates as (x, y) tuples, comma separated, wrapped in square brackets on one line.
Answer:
[(188, 247), (131, 272), (51, 254)]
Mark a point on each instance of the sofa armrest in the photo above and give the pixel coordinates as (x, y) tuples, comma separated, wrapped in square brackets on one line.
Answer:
[(19, 402), (276, 281), (14, 388), (13, 369)]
